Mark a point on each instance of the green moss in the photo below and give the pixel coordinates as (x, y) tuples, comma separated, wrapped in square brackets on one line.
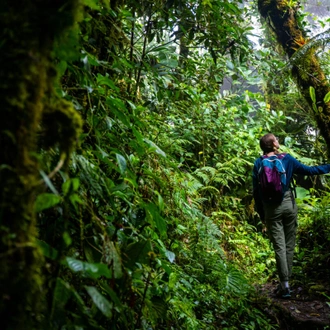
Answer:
[(25, 90)]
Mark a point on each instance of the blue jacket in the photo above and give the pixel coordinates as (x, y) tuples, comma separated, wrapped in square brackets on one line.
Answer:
[(292, 166)]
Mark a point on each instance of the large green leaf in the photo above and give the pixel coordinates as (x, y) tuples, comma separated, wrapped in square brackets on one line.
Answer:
[(327, 98), (302, 193), (100, 301), (92, 270), (61, 295), (121, 163), (155, 148), (173, 279), (112, 257), (137, 252), (102, 80), (118, 108), (112, 295), (47, 250), (312, 94), (156, 218), (46, 201)]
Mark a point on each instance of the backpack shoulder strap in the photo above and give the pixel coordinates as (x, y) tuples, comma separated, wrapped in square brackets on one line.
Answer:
[(282, 155)]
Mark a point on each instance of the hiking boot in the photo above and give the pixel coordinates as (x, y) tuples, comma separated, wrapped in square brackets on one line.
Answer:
[(285, 293), (282, 293)]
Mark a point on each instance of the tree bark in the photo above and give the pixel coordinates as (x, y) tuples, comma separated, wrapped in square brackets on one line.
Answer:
[(26, 77), (307, 72)]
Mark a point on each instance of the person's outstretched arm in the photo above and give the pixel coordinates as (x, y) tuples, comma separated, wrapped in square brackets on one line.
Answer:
[(299, 168)]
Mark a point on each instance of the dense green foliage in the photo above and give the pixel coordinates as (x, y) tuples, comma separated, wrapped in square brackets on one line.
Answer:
[(151, 224)]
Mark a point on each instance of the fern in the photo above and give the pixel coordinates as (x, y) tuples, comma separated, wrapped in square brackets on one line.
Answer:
[(320, 40)]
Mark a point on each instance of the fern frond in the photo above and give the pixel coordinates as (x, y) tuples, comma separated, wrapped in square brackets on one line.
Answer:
[(209, 188), (193, 184), (235, 281), (209, 169), (203, 176)]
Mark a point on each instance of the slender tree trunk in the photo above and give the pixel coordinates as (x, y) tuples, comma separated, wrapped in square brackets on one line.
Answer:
[(282, 19), (27, 34)]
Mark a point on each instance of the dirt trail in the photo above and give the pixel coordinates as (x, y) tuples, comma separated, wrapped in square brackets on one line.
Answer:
[(306, 309)]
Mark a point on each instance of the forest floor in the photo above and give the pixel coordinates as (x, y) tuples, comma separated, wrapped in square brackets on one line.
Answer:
[(306, 309)]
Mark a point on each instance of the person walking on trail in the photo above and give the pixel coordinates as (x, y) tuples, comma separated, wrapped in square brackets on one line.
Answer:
[(279, 211)]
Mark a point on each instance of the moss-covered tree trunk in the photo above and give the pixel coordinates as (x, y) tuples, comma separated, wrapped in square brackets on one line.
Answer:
[(282, 18), (27, 33)]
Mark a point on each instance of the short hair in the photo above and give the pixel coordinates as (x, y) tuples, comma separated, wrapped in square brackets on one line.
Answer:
[(267, 143)]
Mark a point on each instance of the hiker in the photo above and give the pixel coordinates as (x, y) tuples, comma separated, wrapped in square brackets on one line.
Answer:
[(279, 214)]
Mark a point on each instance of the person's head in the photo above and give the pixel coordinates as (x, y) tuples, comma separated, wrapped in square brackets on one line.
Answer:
[(269, 143)]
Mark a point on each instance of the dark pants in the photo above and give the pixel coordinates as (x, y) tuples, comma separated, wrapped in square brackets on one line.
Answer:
[(281, 221)]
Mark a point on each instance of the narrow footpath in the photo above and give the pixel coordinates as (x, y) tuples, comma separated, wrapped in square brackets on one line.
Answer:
[(306, 309)]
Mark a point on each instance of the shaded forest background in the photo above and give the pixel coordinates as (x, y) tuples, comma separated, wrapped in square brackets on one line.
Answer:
[(126, 197)]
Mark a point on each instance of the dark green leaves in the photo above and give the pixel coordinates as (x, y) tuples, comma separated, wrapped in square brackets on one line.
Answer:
[(100, 301), (61, 295), (104, 80), (47, 250), (93, 4), (156, 219), (137, 252)]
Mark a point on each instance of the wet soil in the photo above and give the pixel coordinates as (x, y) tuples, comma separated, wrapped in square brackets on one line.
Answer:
[(308, 308)]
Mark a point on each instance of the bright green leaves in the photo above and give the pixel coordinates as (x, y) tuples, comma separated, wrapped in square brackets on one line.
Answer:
[(69, 189), (302, 193), (312, 94), (70, 186), (327, 98), (45, 201), (173, 278), (160, 199), (207, 3), (317, 109)]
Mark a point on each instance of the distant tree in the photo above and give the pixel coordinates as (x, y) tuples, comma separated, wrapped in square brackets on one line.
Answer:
[(282, 17)]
